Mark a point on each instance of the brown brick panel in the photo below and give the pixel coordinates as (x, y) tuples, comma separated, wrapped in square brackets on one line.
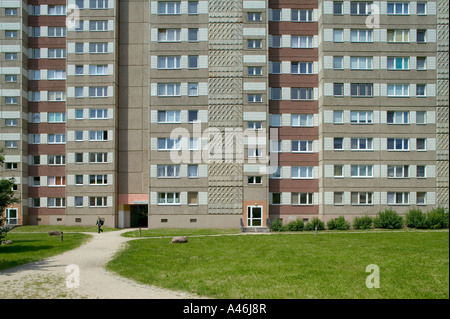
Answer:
[(46, 42), (46, 149), (45, 170), (296, 107), (298, 159), (49, 2), (46, 107), (294, 185), (304, 4), (49, 64), (295, 133), (289, 54), (48, 128), (47, 85), (294, 80), (44, 191), (46, 20), (46, 211), (280, 210), (294, 28)]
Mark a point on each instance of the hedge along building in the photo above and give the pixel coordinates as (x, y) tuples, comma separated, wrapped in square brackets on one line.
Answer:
[(351, 99)]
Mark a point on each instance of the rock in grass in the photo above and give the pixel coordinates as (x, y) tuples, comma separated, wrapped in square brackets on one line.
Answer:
[(54, 233), (179, 240), (7, 242)]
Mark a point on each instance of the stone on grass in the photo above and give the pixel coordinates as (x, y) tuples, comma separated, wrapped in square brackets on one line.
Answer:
[(179, 240)]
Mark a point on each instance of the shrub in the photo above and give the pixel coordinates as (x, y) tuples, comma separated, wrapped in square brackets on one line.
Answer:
[(338, 223), (296, 225), (414, 218), (277, 225), (311, 225), (363, 222), (389, 219), (437, 218)]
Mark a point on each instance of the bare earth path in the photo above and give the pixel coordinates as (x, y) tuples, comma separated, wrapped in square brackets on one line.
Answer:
[(47, 278)]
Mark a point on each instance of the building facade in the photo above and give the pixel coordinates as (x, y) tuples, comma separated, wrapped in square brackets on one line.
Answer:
[(222, 113)]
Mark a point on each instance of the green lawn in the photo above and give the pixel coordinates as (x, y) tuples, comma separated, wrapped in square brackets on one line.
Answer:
[(330, 265), (162, 232), (28, 248)]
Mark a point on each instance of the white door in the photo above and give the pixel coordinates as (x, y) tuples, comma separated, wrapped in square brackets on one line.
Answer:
[(254, 216), (12, 216)]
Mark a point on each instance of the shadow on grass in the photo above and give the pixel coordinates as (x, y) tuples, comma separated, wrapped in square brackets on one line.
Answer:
[(11, 249)]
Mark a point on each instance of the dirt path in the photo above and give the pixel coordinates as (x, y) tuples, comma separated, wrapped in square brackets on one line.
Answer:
[(47, 278)]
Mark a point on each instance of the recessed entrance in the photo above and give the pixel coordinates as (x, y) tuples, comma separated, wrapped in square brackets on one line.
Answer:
[(138, 215), (254, 216)]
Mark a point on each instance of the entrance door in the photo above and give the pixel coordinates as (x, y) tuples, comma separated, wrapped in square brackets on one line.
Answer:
[(254, 216), (138, 215), (12, 216)]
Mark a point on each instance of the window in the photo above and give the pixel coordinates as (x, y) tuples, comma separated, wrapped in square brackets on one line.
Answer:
[(398, 90), (78, 136), (78, 201), (254, 98), (192, 116), (254, 44), (421, 117), (168, 198), (98, 157), (56, 160), (338, 117), (338, 7), (10, 11), (11, 34), (35, 10), (78, 157), (421, 63), (169, 62), (302, 198), (421, 171), (398, 63), (79, 25), (169, 116), (298, 94), (397, 117), (56, 202), (56, 74), (301, 15), (36, 54), (11, 144), (56, 31), (361, 117), (254, 126), (98, 136), (361, 63), (275, 146), (252, 180), (192, 7), (35, 138), (361, 36), (192, 198), (98, 179), (276, 14), (56, 53), (421, 198), (56, 96), (398, 144), (57, 117), (276, 174), (302, 146), (361, 170), (398, 8), (165, 8), (301, 42), (421, 36), (398, 198), (56, 138), (167, 144), (276, 198), (192, 35), (361, 89), (98, 69), (98, 47), (421, 144), (421, 90), (192, 171), (79, 70), (36, 181), (79, 114), (254, 16), (193, 62), (56, 181), (11, 166), (338, 198), (80, 4), (275, 93), (361, 144), (276, 68), (338, 171), (398, 36), (302, 172), (398, 171), (421, 8), (192, 89), (10, 56), (360, 8), (254, 152), (301, 120), (10, 122), (275, 120), (254, 71), (79, 92), (338, 143), (338, 63), (98, 201), (79, 48), (98, 114), (193, 143), (98, 91), (98, 4), (276, 41), (338, 35), (338, 89), (301, 67), (59, 10), (11, 78), (35, 32), (361, 198), (168, 89)]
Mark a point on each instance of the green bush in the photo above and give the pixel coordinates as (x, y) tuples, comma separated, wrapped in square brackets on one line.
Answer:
[(338, 224), (414, 218), (311, 225), (389, 219), (363, 222), (296, 225), (437, 218), (277, 225)]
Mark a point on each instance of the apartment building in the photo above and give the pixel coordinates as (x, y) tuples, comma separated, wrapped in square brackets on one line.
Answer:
[(222, 113)]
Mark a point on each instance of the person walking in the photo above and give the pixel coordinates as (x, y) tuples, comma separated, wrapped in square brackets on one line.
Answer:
[(99, 224)]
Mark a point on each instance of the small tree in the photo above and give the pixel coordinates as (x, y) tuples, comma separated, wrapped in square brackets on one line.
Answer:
[(416, 219), (338, 223), (315, 221), (389, 219), (363, 222)]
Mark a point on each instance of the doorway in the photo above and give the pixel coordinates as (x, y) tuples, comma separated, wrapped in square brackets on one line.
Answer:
[(138, 216), (254, 216)]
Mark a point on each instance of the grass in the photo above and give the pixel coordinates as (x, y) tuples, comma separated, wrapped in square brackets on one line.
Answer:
[(277, 266), (162, 232), (47, 228), (31, 247)]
